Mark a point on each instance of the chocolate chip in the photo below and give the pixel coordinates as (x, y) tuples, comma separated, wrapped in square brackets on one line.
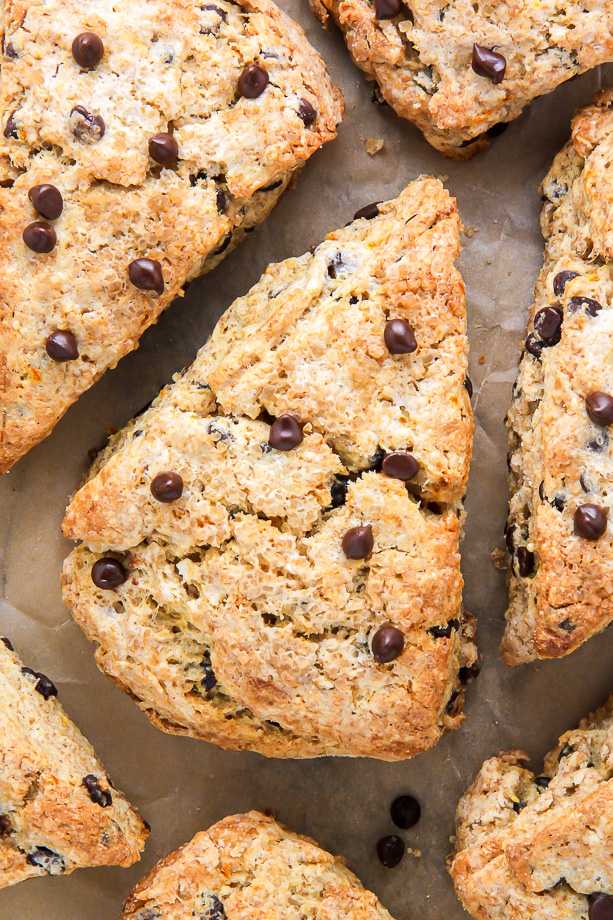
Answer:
[(108, 573), (600, 408), (508, 536), (488, 63), (5, 827), (221, 200), (47, 200), (252, 81), (212, 908), (525, 562), (390, 851), (46, 859), (591, 306), (10, 52), (567, 625), (98, 795), (533, 346), (600, 906), (400, 465), (388, 9), (209, 680), (599, 443), (469, 673), (590, 521), (358, 542), (167, 487), (164, 149), (368, 212), (558, 502), (62, 346), (285, 433), (405, 812), (307, 112), (548, 325), (338, 492), (399, 337), (43, 685), (10, 128), (85, 126), (376, 461), (565, 752), (542, 490), (8, 643), (519, 806), (444, 632), (469, 387), (87, 50), (387, 644), (561, 280), (542, 781), (146, 274), (40, 236)]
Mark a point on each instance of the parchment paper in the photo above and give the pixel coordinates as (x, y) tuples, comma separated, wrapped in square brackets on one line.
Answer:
[(182, 785)]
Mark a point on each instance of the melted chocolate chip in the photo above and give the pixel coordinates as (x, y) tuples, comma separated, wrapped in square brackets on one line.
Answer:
[(565, 752), (444, 632), (469, 387), (146, 275), (221, 200), (108, 573), (252, 81), (600, 906), (599, 407), (10, 128), (488, 63), (590, 521), (338, 492), (376, 462), (390, 851), (10, 52), (525, 562), (285, 433), (98, 795), (469, 673), (591, 307), (212, 908), (508, 536), (47, 200), (43, 685), (387, 644), (40, 236), (167, 487), (5, 827), (164, 149), (399, 337), (85, 126), (209, 680), (542, 781), (368, 212), (533, 346), (358, 542), (405, 812), (8, 643), (307, 112), (62, 346), (561, 280), (388, 9), (400, 465), (548, 325), (599, 443), (87, 50)]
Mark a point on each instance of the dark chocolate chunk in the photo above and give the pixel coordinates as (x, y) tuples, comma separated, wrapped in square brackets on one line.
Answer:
[(252, 81), (98, 795), (47, 200), (108, 573), (561, 280), (43, 685), (400, 465), (525, 561), (600, 408), (307, 112), (358, 542), (285, 433), (62, 346), (390, 850), (399, 337), (87, 50), (164, 149), (405, 812), (387, 644), (368, 212), (167, 487), (146, 274), (590, 521), (488, 63), (85, 126), (40, 236)]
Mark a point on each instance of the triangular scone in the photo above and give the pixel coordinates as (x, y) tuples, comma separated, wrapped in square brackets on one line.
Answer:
[(102, 138), (58, 809), (540, 848), (458, 69), (243, 619), (250, 866), (560, 530)]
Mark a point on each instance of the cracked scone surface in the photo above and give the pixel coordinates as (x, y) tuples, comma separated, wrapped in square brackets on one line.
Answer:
[(168, 66), (50, 823), (242, 621), (539, 848), (561, 590), (249, 865), (421, 58)]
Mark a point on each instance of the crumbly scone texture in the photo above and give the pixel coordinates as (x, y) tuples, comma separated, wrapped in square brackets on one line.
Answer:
[(49, 822), (169, 66), (421, 59), (559, 458), (250, 866), (242, 581), (529, 848)]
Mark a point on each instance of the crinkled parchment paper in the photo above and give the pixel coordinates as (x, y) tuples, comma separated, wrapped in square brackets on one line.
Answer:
[(181, 785)]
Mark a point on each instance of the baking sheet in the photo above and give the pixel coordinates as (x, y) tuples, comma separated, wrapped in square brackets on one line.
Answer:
[(182, 785)]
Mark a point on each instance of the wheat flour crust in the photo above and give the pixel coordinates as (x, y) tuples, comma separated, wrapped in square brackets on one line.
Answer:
[(421, 58), (169, 66)]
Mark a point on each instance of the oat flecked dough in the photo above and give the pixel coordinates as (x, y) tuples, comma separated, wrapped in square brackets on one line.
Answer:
[(167, 137)]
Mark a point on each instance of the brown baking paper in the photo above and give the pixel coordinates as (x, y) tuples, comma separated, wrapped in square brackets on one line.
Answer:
[(182, 785)]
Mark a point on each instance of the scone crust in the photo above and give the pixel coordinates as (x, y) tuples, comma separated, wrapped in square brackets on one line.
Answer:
[(421, 59), (245, 574), (559, 458), (50, 822), (169, 66)]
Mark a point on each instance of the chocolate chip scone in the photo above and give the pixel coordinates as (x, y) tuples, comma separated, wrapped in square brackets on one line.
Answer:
[(561, 461), (539, 848), (458, 69), (138, 143), (58, 809), (270, 553), (249, 866)]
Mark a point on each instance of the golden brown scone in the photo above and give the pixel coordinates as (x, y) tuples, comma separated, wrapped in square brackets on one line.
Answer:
[(58, 809), (169, 148), (561, 461), (541, 848), (247, 867), (242, 618), (421, 54)]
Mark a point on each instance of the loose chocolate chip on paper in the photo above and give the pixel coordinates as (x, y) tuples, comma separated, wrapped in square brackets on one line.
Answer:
[(405, 812), (390, 850)]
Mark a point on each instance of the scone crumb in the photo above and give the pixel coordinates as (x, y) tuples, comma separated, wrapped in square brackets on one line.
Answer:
[(499, 559), (374, 145)]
